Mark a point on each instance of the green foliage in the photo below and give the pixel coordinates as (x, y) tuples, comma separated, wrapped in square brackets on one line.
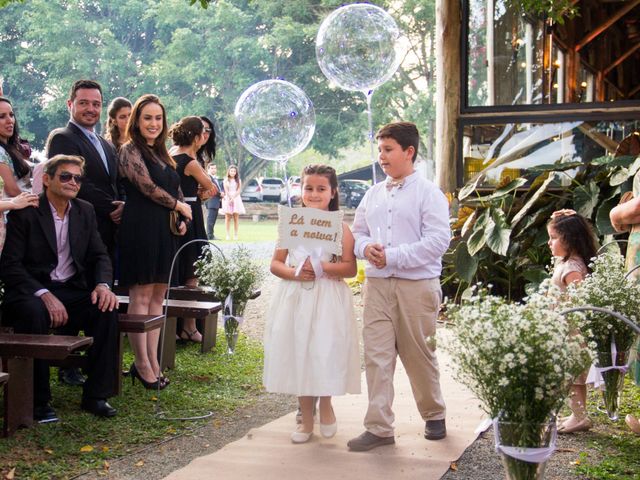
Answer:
[(556, 10), (611, 448), (505, 230), (213, 382), (199, 60)]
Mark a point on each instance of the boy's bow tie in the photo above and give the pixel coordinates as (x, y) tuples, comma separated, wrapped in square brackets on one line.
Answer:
[(394, 183)]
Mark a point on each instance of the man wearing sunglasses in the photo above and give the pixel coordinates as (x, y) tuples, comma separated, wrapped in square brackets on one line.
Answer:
[(57, 273), (100, 187)]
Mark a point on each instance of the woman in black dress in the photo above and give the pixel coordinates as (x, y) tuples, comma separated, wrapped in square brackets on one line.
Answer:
[(188, 136), (146, 243)]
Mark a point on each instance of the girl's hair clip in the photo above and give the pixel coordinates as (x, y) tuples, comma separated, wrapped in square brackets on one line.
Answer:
[(565, 212)]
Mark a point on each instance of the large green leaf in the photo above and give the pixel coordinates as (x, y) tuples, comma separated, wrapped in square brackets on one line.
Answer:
[(465, 264), (468, 189), (555, 167), (603, 223), (585, 198), (534, 198), (497, 233), (477, 240), (500, 192)]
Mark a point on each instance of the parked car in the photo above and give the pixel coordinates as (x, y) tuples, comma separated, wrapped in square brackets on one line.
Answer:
[(350, 192), (252, 191), (295, 190), (271, 188)]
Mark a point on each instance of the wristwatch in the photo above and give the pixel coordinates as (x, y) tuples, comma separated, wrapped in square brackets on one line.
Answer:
[(106, 285)]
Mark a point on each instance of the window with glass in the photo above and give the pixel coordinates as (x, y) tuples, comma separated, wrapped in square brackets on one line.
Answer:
[(495, 153)]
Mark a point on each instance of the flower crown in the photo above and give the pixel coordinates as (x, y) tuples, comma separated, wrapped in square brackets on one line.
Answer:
[(565, 212)]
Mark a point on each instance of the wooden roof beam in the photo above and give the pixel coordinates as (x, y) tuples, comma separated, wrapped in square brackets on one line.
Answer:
[(633, 92), (630, 5), (622, 58)]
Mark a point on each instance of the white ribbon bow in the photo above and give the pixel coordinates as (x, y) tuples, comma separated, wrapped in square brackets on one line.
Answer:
[(595, 373), (314, 257), (527, 454)]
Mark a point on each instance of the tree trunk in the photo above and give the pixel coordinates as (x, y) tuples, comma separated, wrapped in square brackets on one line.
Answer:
[(447, 92)]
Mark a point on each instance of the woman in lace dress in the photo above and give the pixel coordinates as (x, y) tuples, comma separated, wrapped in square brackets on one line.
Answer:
[(146, 243)]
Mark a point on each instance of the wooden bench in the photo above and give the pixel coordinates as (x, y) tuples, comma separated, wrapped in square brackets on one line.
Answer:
[(208, 311), (18, 352), (127, 323)]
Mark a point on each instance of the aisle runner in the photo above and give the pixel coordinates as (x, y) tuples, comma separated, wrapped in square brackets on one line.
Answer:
[(266, 453)]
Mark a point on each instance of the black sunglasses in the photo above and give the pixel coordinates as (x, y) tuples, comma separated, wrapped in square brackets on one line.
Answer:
[(65, 177)]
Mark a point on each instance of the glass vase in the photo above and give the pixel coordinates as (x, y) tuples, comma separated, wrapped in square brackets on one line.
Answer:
[(231, 328), (613, 381), (524, 436)]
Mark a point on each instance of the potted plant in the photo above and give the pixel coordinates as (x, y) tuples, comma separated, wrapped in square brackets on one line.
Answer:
[(519, 359), (234, 278)]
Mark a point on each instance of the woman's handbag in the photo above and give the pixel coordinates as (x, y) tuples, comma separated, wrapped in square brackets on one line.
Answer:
[(175, 220)]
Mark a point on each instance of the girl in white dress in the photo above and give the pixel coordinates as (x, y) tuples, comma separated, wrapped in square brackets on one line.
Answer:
[(311, 343)]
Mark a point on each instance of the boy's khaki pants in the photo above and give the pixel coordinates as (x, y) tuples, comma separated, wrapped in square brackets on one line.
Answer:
[(399, 315)]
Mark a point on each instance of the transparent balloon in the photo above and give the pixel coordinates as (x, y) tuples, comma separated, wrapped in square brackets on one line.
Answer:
[(275, 120), (358, 47)]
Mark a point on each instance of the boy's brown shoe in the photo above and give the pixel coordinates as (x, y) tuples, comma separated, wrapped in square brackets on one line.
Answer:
[(435, 429), (368, 441)]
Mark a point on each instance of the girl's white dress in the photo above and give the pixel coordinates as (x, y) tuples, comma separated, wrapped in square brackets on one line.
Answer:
[(311, 338)]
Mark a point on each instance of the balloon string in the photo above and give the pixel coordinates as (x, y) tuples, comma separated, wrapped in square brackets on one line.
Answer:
[(369, 95)]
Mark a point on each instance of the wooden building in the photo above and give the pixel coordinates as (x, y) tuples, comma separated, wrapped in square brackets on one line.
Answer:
[(516, 90)]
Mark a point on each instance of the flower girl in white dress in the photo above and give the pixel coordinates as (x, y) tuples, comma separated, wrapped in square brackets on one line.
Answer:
[(311, 343)]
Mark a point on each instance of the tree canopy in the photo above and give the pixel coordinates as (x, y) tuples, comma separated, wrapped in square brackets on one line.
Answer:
[(199, 61)]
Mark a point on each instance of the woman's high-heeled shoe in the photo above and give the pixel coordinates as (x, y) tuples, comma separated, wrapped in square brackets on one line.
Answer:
[(157, 385)]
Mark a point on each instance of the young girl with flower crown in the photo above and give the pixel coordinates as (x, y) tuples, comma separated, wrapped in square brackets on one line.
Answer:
[(311, 344), (573, 244)]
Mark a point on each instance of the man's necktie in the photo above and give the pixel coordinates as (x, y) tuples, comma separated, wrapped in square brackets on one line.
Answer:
[(96, 143)]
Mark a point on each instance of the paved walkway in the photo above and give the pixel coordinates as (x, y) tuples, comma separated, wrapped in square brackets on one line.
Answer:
[(266, 453)]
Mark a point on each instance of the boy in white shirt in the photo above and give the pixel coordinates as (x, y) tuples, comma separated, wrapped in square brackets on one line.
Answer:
[(402, 228)]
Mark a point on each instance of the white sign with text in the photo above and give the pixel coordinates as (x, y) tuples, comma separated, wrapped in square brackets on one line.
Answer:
[(310, 228)]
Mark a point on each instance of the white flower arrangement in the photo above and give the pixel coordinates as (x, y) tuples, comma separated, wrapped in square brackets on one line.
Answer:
[(607, 286), (237, 274), (518, 359)]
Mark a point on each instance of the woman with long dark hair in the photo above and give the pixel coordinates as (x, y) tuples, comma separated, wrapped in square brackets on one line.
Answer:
[(14, 169), (147, 244), (118, 113)]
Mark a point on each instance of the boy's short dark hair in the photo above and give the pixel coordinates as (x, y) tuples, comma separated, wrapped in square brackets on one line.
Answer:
[(78, 84), (405, 133)]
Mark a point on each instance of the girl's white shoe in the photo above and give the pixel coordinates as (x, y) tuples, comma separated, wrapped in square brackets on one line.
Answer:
[(328, 431), (301, 437)]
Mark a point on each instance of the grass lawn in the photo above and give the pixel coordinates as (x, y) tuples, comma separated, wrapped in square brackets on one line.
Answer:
[(250, 231), (611, 450), (214, 382)]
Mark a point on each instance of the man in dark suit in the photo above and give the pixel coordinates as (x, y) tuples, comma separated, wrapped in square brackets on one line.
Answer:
[(49, 255), (214, 203), (99, 187)]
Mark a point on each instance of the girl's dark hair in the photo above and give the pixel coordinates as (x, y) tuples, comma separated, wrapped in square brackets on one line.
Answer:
[(113, 134), (576, 233), (184, 132), (20, 165), (330, 174), (237, 177), (135, 136), (207, 152)]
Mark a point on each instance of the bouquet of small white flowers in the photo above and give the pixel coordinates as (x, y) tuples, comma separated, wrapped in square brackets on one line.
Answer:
[(608, 287), (519, 360), (234, 278)]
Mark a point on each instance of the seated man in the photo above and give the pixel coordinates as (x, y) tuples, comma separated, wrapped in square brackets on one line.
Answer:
[(56, 273)]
